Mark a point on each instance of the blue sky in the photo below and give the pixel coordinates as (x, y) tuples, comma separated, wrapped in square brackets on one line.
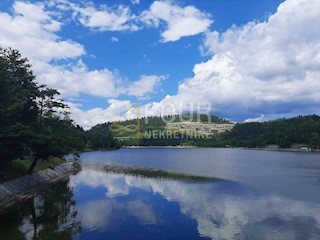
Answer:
[(247, 60)]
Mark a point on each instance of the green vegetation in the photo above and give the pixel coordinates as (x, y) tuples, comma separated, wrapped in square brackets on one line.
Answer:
[(134, 132), (157, 122), (282, 132), (285, 133), (157, 173), (149, 173), (100, 137), (135, 127), (193, 117), (34, 123), (18, 168)]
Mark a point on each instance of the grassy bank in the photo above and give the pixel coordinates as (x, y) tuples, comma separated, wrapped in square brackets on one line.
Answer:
[(19, 168)]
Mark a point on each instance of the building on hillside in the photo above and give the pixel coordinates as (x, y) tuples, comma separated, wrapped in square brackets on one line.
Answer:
[(203, 128)]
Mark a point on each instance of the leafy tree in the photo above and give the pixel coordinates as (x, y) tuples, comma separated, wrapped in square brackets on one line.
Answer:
[(18, 107), (29, 122), (55, 137)]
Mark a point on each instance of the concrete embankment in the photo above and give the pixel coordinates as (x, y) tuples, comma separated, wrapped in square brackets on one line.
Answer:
[(18, 189)]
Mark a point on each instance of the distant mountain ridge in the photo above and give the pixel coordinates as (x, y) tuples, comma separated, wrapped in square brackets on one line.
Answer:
[(188, 117), (297, 132)]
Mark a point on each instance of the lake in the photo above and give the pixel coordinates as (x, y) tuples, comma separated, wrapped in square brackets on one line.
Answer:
[(173, 193)]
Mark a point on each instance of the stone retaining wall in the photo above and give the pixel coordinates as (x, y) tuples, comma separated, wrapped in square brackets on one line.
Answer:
[(21, 188)]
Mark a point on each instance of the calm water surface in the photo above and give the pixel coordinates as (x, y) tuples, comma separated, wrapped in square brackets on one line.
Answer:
[(248, 195)]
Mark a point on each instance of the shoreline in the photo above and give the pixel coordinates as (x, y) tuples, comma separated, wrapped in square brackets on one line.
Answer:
[(17, 190), (133, 147), (282, 150), (297, 150)]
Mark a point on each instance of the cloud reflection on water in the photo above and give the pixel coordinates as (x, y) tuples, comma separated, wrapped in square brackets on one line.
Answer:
[(222, 210)]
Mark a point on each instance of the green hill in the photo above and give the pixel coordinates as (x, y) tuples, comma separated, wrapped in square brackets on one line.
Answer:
[(153, 131), (301, 130), (136, 128)]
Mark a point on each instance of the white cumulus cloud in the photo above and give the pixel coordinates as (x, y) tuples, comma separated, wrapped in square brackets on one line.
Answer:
[(135, 2), (104, 18), (116, 111), (268, 67), (114, 39), (145, 85), (258, 119), (179, 21), (32, 30)]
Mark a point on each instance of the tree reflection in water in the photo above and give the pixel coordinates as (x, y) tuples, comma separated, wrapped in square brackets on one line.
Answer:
[(140, 203), (49, 215)]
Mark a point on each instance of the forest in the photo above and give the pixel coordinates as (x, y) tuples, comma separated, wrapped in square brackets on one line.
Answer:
[(284, 133), (34, 123)]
